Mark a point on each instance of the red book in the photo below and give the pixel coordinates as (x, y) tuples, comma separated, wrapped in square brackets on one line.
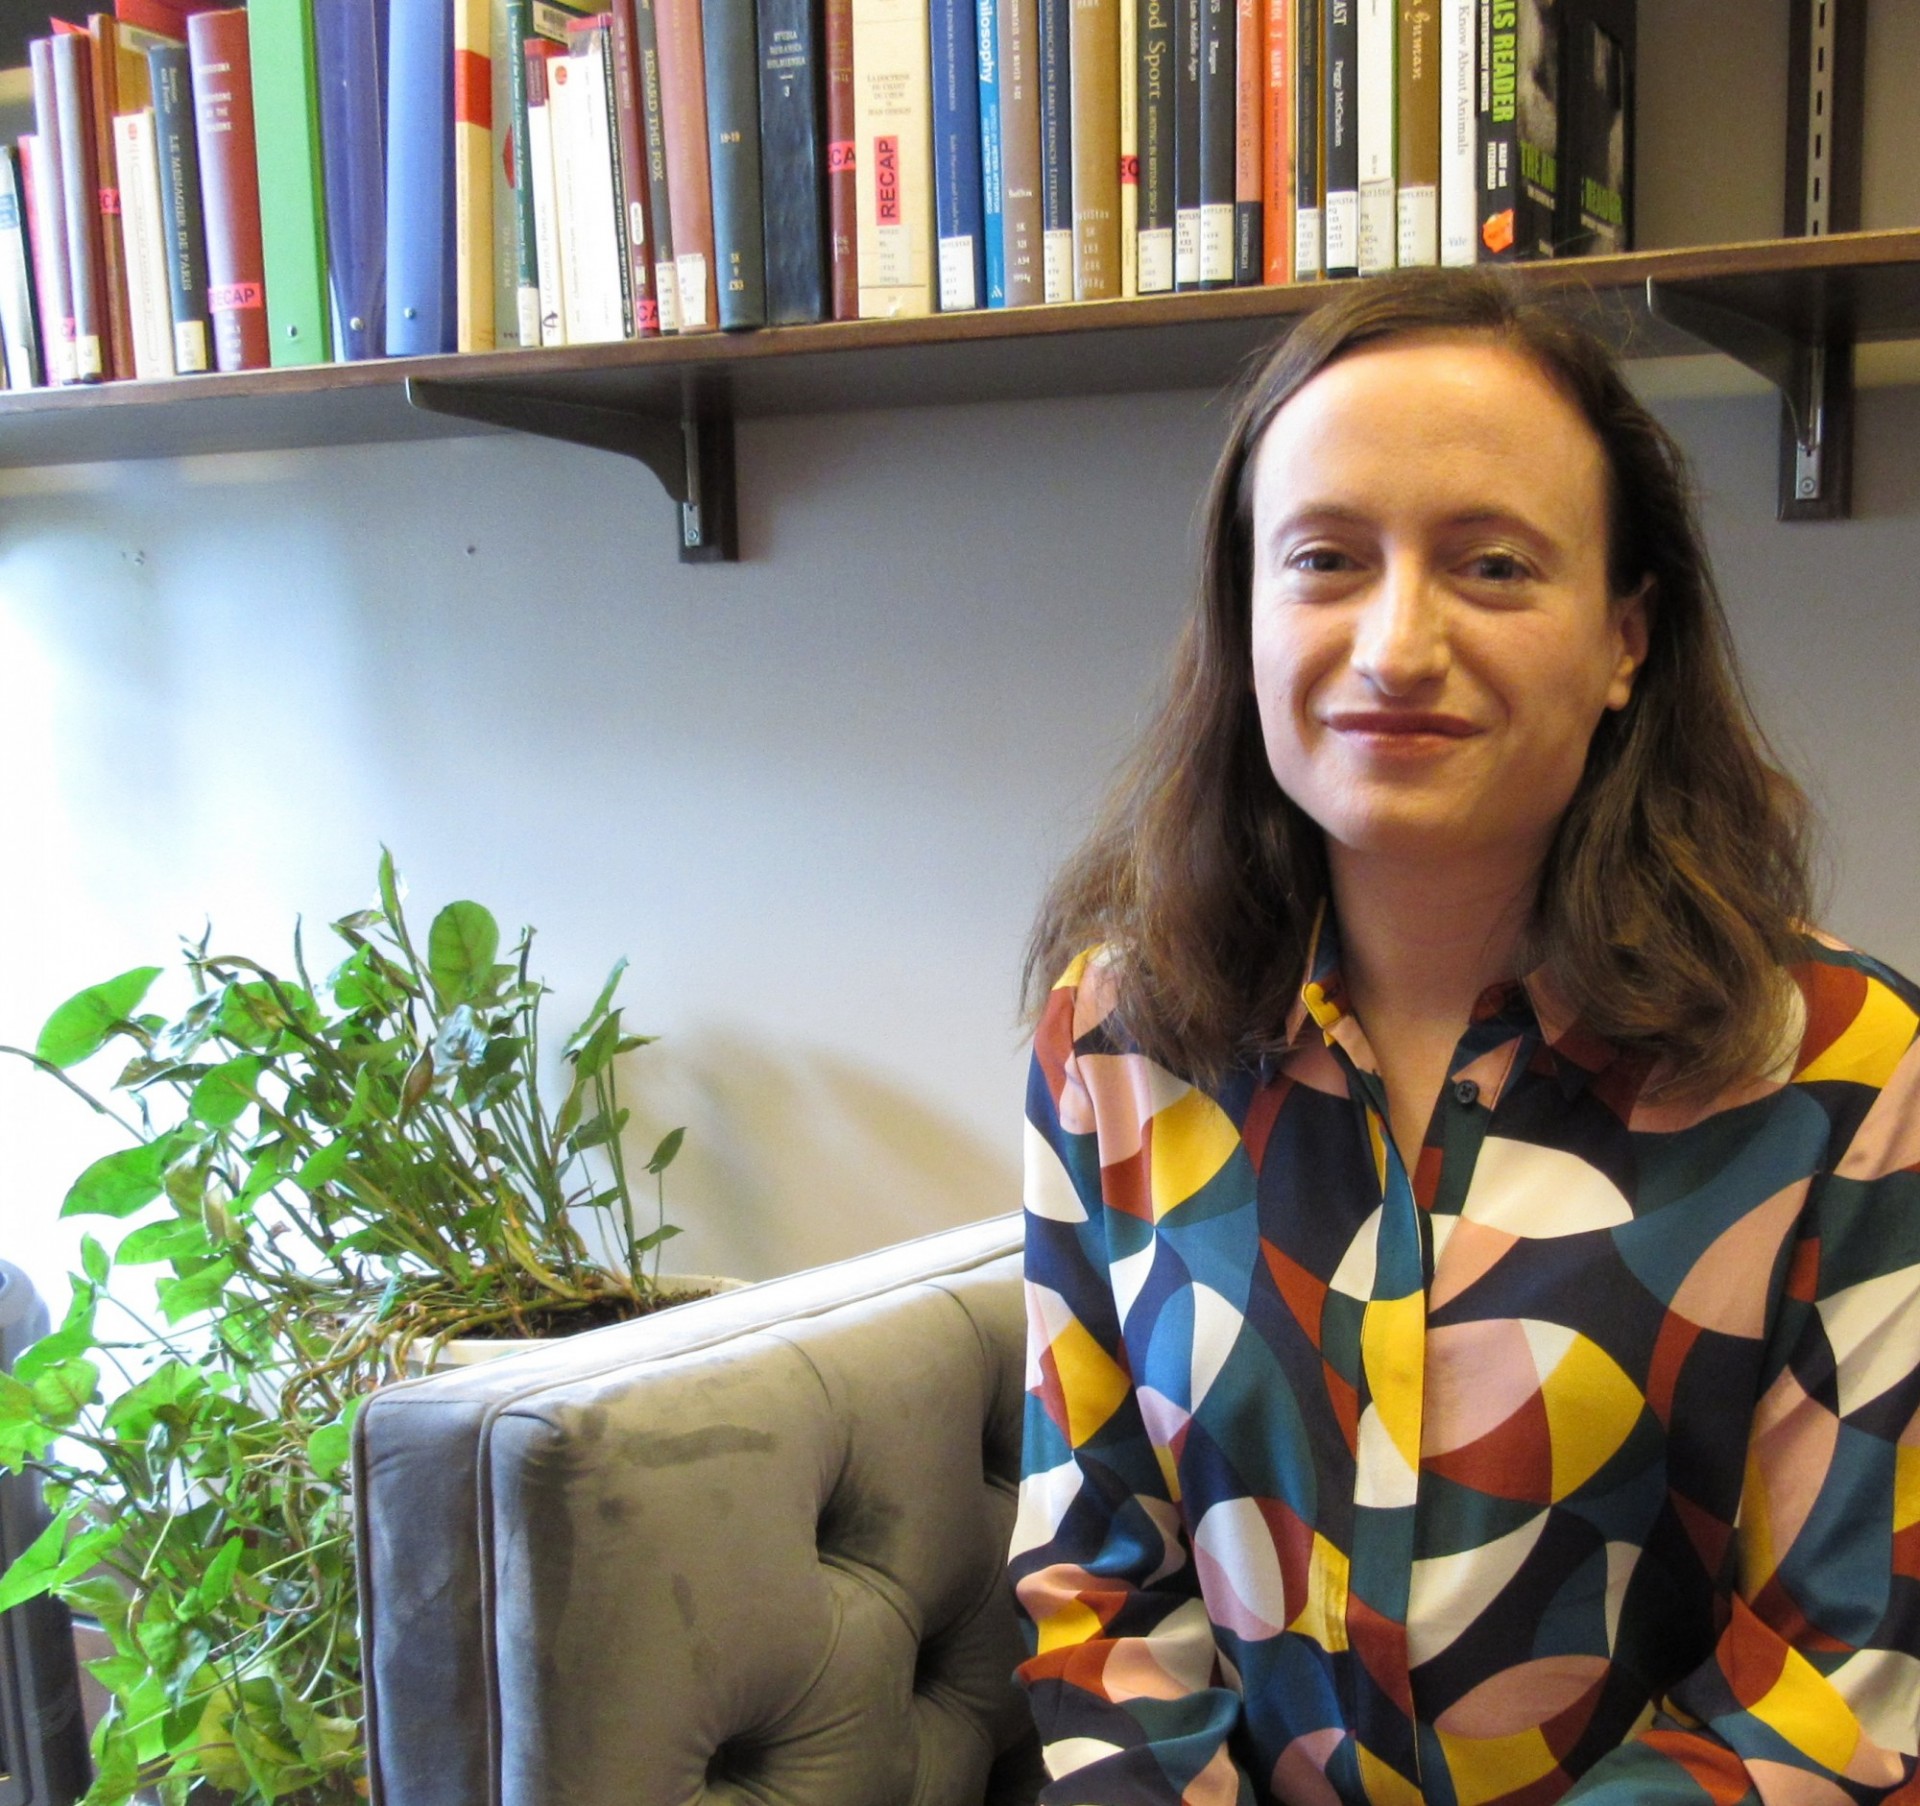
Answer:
[(843, 201), (630, 125), (167, 17), (72, 54), (683, 119), (229, 187)]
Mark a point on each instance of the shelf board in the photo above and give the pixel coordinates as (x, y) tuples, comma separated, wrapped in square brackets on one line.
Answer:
[(1866, 284)]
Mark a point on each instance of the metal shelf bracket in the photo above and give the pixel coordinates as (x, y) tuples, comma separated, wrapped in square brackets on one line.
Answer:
[(1815, 380), (692, 456)]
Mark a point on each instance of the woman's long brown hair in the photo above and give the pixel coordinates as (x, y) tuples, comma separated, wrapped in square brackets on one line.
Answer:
[(1678, 881)]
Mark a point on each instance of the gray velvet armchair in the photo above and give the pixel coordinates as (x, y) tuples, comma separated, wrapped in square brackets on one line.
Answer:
[(749, 1550)]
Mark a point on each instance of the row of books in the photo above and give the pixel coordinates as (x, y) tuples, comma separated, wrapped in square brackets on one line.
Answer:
[(297, 181)]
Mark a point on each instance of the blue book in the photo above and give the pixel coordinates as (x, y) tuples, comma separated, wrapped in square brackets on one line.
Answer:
[(956, 155), (992, 217), (422, 301), (350, 56)]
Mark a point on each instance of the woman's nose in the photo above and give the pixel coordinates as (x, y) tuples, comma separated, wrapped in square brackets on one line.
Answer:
[(1400, 640)]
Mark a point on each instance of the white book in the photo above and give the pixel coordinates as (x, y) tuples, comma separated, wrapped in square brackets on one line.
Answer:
[(596, 192), (1377, 100), (893, 155), (143, 234), (1459, 196), (583, 189), (546, 214)]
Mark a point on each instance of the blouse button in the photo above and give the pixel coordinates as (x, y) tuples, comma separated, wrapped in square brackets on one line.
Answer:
[(1466, 1091)]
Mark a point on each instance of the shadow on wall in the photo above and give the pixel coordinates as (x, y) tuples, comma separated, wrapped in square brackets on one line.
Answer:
[(799, 1155)]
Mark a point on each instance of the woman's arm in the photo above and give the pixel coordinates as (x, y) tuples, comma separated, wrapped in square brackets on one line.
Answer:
[(1133, 1704)]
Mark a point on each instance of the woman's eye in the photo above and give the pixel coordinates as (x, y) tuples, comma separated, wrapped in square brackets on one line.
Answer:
[(1318, 561), (1497, 567)]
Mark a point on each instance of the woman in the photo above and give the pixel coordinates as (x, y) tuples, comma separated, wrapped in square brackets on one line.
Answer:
[(1473, 1239)]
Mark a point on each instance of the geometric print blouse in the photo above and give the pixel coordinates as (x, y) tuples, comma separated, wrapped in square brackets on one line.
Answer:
[(1582, 1462)]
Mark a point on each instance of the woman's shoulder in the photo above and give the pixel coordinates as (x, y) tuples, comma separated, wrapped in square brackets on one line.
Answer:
[(1085, 996), (1857, 1016)]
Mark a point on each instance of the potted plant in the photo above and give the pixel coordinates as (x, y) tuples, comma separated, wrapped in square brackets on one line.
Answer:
[(319, 1177)]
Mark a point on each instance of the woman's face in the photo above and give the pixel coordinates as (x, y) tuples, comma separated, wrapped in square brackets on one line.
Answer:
[(1433, 638)]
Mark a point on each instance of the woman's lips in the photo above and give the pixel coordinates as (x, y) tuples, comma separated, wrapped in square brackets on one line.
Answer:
[(1400, 726)]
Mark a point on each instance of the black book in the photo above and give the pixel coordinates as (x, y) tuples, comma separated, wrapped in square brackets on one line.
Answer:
[(1596, 128), (1187, 30), (1219, 95), (176, 150), (732, 46), (666, 284), (1056, 147), (1154, 35), (1309, 197), (1340, 136), (793, 129), (19, 327)]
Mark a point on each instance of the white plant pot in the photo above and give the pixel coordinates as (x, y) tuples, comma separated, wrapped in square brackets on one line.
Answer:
[(468, 1351)]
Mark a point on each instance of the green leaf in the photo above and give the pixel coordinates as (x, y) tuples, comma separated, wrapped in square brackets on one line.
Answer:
[(591, 1021), (390, 891), (664, 1153), (571, 1106), (252, 1016), (327, 1450), (175, 1239), (51, 1559), (461, 946), (653, 1238), (593, 1057), (82, 1025), (217, 1582), (63, 1391), (601, 1130), (223, 1096), (95, 1261), (319, 1171), (116, 1185), (184, 1298)]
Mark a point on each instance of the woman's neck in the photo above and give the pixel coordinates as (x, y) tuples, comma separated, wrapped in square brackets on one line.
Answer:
[(1419, 945)]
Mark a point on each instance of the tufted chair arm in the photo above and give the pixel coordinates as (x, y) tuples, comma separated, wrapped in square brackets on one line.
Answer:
[(748, 1551)]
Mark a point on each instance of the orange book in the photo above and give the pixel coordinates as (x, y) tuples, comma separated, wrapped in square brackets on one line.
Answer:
[(683, 120), (1276, 181), (473, 172)]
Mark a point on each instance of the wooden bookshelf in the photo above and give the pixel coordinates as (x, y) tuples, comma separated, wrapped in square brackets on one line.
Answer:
[(1863, 286)]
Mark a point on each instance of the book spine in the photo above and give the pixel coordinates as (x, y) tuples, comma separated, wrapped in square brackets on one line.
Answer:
[(1249, 130), (1056, 148), (683, 112), (472, 173), (580, 306), (1276, 184), (1459, 131), (730, 35), (526, 251), (349, 52), (104, 103), (843, 186), (892, 95), (177, 148), (666, 287), (1095, 118), (150, 312), (1309, 192), (1219, 109), (229, 188), (1340, 137), (422, 287), (541, 173), (993, 235), (18, 333), (1596, 178), (958, 235), (1496, 151), (1375, 101), (48, 219), (1417, 80), (1539, 82), (79, 194), (1188, 31), (501, 64), (603, 117), (630, 122), (1127, 79), (1154, 79), (293, 225), (1018, 26), (590, 248)]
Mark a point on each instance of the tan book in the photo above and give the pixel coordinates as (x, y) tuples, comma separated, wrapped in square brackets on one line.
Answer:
[(104, 30), (683, 126), (1418, 75), (1018, 22), (473, 171), (1129, 148), (893, 157), (1094, 48)]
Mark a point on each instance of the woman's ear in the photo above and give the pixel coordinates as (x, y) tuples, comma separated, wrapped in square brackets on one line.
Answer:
[(1631, 630)]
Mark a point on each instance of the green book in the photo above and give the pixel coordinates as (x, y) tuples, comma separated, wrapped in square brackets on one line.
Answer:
[(293, 219)]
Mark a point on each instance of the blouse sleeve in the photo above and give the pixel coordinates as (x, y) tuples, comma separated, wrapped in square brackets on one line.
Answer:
[(1133, 1704), (1812, 1693)]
